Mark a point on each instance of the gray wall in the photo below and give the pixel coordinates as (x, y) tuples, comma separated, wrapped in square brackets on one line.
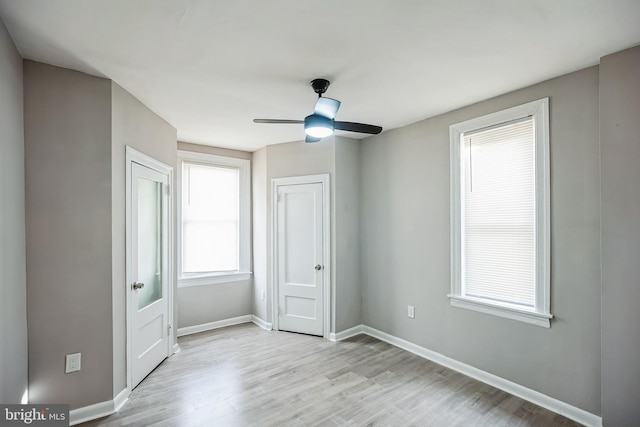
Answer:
[(68, 227), (198, 305), (76, 130), (13, 282), (300, 158), (405, 247), (348, 292), (134, 125), (259, 190), (620, 163)]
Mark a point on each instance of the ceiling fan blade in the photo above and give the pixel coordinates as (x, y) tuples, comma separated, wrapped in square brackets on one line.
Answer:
[(278, 121), (308, 138), (357, 127), (327, 107)]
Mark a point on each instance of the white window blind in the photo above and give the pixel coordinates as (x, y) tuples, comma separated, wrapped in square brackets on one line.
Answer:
[(210, 218), (498, 214)]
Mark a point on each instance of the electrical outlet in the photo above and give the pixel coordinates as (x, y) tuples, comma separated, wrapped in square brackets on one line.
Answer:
[(262, 295), (73, 362), (411, 312)]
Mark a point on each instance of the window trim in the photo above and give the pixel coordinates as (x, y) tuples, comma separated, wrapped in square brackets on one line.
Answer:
[(243, 166), (541, 314)]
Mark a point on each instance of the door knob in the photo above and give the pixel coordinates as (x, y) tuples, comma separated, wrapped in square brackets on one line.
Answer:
[(318, 267), (137, 285)]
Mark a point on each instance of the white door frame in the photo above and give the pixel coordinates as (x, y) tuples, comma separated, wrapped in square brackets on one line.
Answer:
[(323, 179), (134, 156)]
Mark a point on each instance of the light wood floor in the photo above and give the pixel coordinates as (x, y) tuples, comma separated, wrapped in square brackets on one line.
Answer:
[(245, 376)]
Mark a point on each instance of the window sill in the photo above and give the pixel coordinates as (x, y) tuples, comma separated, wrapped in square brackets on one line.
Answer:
[(212, 279), (538, 319)]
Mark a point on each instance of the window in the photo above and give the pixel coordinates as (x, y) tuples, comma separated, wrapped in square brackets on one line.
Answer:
[(214, 219), (500, 214)]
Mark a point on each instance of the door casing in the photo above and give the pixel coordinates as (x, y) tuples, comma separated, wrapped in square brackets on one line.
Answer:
[(323, 179), (134, 156)]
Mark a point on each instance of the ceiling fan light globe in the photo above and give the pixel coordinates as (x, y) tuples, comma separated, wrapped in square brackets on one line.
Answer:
[(318, 131), (318, 126)]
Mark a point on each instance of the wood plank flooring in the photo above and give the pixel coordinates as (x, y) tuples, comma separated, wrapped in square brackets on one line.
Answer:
[(245, 376)]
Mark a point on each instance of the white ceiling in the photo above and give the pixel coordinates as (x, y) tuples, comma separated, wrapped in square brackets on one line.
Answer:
[(209, 67)]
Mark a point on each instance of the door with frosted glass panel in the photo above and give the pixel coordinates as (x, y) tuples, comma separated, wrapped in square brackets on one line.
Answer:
[(149, 262)]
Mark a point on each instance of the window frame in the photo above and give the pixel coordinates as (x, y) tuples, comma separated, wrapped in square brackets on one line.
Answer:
[(244, 238), (541, 313)]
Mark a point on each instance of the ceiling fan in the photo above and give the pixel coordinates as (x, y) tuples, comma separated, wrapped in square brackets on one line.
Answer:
[(321, 124)]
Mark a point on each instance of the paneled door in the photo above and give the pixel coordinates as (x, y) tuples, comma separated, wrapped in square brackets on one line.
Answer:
[(301, 258), (148, 326)]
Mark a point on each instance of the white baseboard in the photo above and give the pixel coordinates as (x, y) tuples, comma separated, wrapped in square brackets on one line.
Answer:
[(214, 325), (121, 399), (176, 348), (347, 333), (555, 405), (91, 412), (98, 410), (264, 325)]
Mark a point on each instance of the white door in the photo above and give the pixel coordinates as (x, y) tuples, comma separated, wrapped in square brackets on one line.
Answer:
[(148, 271), (300, 255)]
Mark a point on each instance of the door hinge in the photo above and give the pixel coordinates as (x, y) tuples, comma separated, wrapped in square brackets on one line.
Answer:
[(168, 329), (168, 189)]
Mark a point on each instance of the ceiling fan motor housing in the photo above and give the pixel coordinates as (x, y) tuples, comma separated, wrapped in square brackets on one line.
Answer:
[(320, 86)]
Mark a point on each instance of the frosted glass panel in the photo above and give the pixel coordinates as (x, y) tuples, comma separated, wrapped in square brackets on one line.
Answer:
[(149, 241)]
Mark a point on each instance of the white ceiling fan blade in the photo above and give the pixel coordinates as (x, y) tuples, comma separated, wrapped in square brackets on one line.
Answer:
[(327, 107)]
